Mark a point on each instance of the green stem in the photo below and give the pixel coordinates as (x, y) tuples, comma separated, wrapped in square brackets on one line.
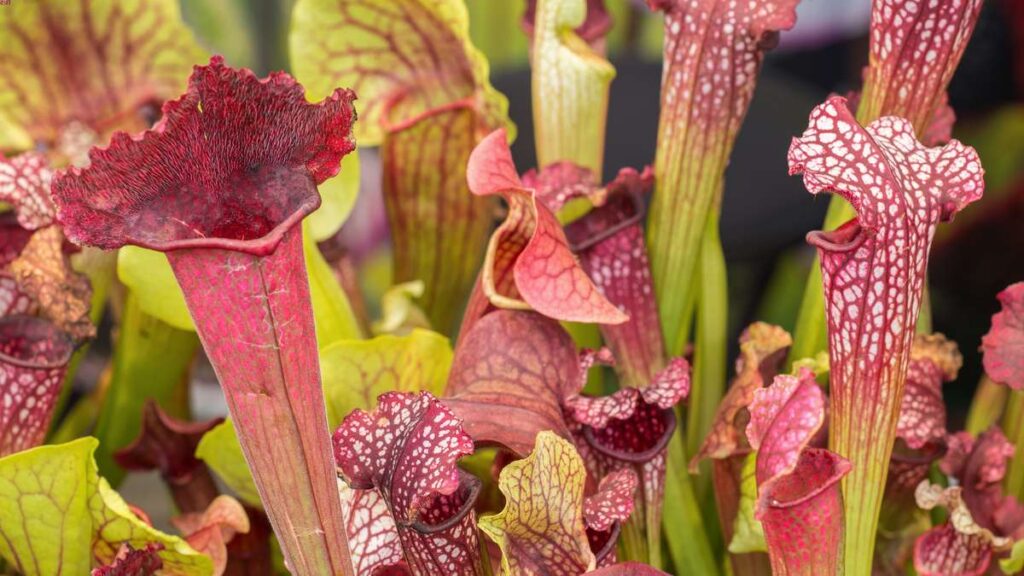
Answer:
[(924, 320), (674, 237), (685, 531), (485, 558), (151, 360), (1013, 426), (79, 420), (633, 545), (987, 406), (709, 366)]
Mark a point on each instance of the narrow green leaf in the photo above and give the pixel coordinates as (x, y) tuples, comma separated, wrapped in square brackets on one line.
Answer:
[(688, 544), (709, 366)]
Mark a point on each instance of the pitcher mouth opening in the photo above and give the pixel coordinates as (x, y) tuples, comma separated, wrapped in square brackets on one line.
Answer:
[(606, 541), (468, 491), (817, 471), (846, 238), (668, 423), (254, 219)]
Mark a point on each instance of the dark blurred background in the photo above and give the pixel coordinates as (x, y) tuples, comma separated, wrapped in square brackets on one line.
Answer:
[(765, 213)]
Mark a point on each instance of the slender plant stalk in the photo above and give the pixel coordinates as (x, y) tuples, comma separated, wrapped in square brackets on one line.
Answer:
[(79, 420), (151, 360), (1013, 426), (924, 319), (874, 282), (633, 545), (687, 537), (987, 407), (710, 346), (674, 253)]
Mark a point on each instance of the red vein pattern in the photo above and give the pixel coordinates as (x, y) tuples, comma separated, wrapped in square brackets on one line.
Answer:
[(510, 378), (973, 534), (445, 539), (799, 502), (371, 530), (712, 56), (98, 63), (944, 550), (914, 49), (980, 467), (873, 269), (620, 269), (424, 97), (668, 388), (1004, 344), (933, 360), (34, 356), (13, 238), (217, 177), (528, 262), (14, 300), (404, 58), (631, 429), (982, 520), (939, 129), (561, 182), (25, 185), (762, 347), (406, 450), (613, 501), (221, 191), (541, 530), (438, 229), (387, 450), (920, 432), (784, 418)]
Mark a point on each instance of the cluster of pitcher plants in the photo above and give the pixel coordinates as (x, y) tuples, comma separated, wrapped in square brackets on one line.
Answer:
[(545, 389)]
